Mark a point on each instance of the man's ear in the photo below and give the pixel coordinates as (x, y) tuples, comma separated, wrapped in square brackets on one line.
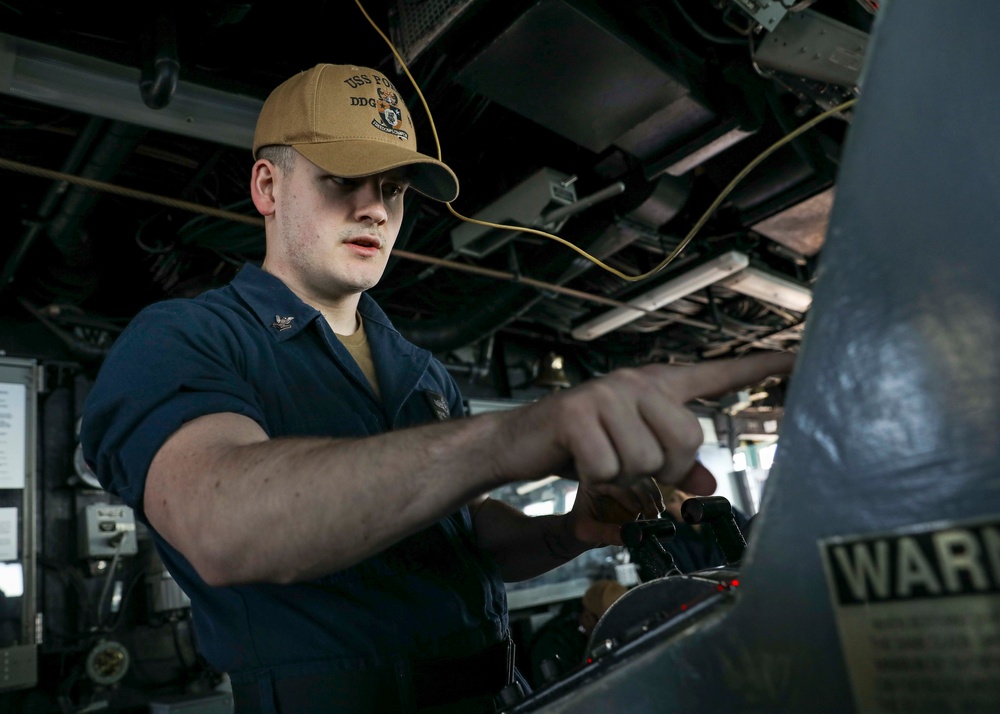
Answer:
[(262, 178)]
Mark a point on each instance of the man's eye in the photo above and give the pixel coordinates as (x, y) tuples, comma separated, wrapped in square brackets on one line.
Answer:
[(392, 190)]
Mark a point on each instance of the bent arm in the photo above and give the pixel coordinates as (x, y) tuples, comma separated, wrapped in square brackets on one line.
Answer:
[(245, 508)]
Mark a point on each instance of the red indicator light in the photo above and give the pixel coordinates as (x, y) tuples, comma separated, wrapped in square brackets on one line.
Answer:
[(590, 660), (684, 607), (720, 587), (735, 583)]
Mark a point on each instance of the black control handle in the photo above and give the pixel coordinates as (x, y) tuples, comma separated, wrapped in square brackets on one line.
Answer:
[(635, 533), (716, 514), (643, 537)]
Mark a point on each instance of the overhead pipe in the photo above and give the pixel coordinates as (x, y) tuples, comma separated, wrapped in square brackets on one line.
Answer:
[(50, 202), (160, 67), (107, 157), (65, 230)]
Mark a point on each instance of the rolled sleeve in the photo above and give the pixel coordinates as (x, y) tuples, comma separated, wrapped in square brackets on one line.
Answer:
[(159, 375)]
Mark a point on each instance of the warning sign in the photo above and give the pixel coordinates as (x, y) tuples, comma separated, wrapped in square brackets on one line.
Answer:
[(919, 617)]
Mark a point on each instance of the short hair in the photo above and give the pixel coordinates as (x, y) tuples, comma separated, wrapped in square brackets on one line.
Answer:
[(280, 155)]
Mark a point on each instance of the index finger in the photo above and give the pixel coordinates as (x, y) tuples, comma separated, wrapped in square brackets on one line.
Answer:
[(717, 377)]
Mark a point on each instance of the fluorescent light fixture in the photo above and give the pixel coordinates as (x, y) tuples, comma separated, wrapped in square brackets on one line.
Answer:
[(713, 148), (540, 508), (69, 80), (533, 485), (695, 279), (771, 288)]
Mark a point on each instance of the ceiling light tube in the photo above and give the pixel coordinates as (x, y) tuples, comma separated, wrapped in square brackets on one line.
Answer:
[(535, 485), (695, 279), (771, 288)]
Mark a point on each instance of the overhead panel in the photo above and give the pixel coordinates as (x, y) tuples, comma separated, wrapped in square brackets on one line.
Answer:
[(811, 44), (801, 227), (415, 26), (561, 68), (702, 148)]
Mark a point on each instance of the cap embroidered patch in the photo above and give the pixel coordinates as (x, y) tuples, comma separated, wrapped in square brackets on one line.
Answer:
[(282, 323), (390, 113)]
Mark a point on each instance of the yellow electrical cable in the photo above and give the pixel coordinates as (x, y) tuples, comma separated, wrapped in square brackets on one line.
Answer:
[(687, 239), (258, 221)]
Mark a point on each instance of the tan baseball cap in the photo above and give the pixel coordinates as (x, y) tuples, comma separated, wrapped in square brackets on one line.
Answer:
[(352, 122)]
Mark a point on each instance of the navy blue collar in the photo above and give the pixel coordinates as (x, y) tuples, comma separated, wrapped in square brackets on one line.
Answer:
[(398, 362), (283, 312)]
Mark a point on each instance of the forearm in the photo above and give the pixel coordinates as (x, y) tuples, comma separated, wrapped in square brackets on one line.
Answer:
[(525, 546), (290, 509), (244, 508)]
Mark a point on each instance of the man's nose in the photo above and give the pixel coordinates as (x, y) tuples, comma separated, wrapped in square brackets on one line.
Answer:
[(370, 204)]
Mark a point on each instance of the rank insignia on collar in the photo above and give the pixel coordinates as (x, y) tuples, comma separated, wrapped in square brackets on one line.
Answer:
[(282, 323)]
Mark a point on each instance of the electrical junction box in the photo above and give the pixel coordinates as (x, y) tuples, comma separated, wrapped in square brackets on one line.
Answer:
[(107, 530), (524, 205), (767, 12), (810, 44)]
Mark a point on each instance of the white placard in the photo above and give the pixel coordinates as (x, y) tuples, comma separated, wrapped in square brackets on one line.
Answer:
[(918, 611), (8, 534), (13, 410)]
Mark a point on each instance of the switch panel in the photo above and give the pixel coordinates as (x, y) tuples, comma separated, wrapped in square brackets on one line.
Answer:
[(107, 529)]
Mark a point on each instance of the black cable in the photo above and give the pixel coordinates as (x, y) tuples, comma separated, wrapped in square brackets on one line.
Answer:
[(119, 618), (190, 669), (70, 576)]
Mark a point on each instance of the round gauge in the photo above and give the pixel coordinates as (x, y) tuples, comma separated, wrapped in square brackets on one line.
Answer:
[(83, 471), (107, 662)]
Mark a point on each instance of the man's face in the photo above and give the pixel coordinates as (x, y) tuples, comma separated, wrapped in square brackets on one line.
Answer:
[(334, 235)]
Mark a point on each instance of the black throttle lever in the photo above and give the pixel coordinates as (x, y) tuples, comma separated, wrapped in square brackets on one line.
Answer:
[(642, 537), (716, 513)]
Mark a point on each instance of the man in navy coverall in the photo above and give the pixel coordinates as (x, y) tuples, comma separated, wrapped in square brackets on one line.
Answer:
[(302, 468)]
